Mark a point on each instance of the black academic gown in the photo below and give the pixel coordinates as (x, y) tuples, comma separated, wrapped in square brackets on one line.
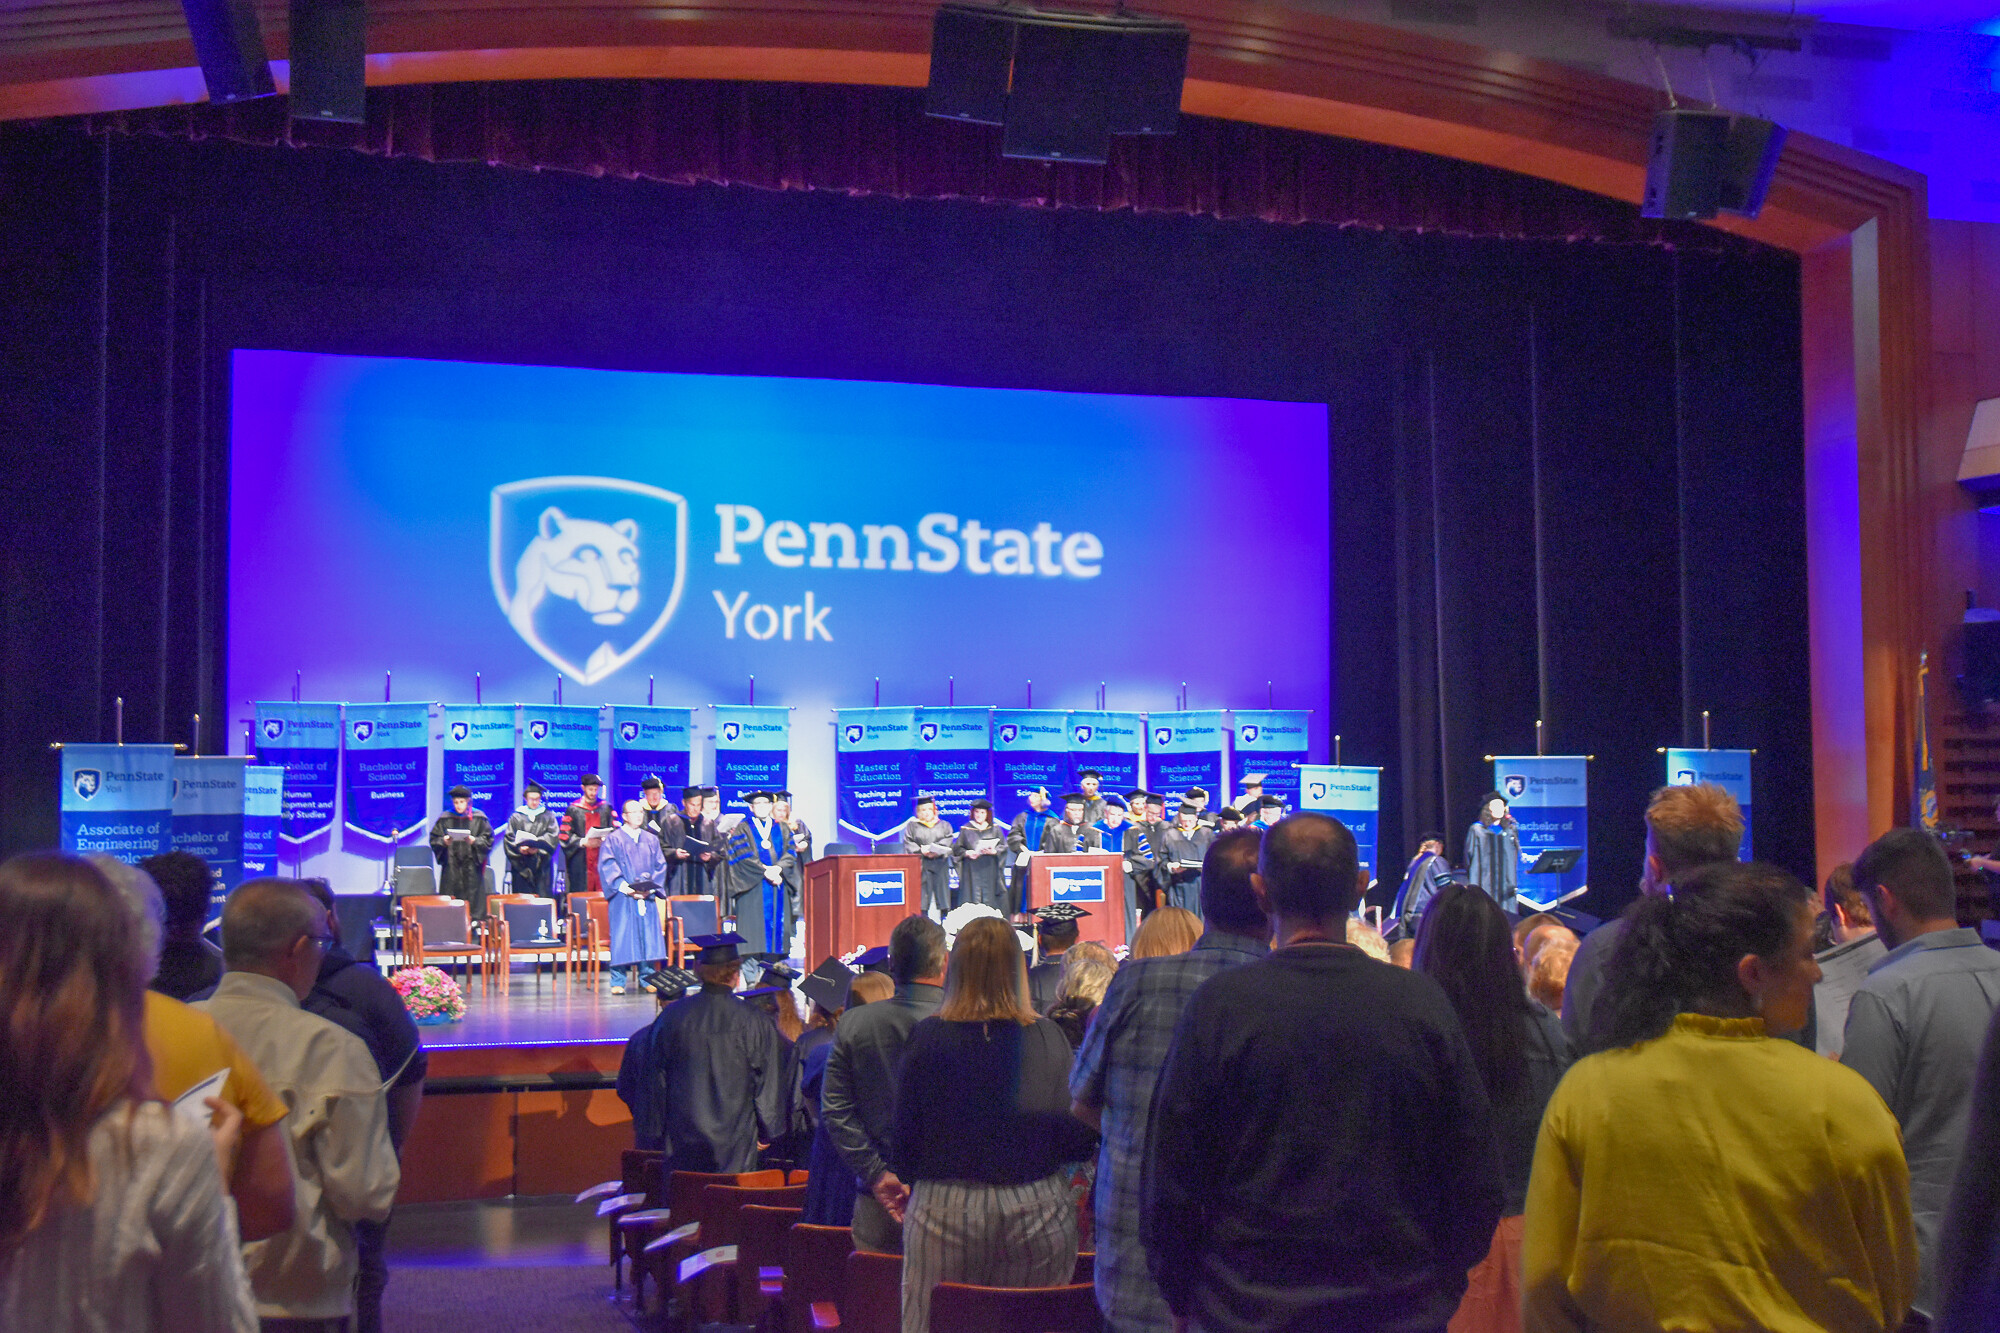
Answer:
[(462, 864), (795, 876), (979, 877), (1044, 980), (721, 1069), (692, 876)]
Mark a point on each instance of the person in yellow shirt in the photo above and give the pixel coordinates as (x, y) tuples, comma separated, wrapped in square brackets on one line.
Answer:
[(1703, 1172)]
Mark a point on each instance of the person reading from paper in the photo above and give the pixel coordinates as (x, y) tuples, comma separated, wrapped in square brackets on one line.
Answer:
[(531, 843), (633, 870), (758, 856), (1141, 850), (1088, 782), (1024, 839), (978, 849), (689, 840), (653, 805), (1072, 834), (1186, 843), (460, 840), (1493, 851), (795, 877), (587, 822), (930, 838)]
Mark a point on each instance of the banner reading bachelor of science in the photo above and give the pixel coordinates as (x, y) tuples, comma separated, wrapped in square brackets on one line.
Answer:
[(955, 758), (1030, 750), (649, 742), (1727, 769), (386, 762), (1186, 750), (1273, 741), (1111, 743), (479, 754), (304, 740), (1351, 795), (753, 746), (875, 769), (263, 810), (117, 799), (558, 747), (1549, 798), (208, 819)]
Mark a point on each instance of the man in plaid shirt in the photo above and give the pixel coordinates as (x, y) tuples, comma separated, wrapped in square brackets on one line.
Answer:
[(1112, 1080)]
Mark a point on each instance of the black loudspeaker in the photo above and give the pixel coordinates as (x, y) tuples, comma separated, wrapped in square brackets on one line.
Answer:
[(329, 45), (1751, 158), (1059, 107), (1146, 78), (1980, 685), (230, 48), (972, 57), (1685, 165)]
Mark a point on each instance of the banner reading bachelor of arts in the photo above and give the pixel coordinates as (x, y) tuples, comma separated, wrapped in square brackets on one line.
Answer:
[(1186, 750), (208, 819), (117, 799), (383, 770), (1549, 798), (955, 758), (1351, 795), (875, 769), (1030, 750), (558, 747), (479, 754), (1727, 769), (1273, 741), (304, 740), (753, 746), (263, 809), (1111, 743), (650, 742)]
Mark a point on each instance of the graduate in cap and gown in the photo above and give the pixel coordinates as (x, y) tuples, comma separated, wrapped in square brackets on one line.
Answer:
[(758, 853), (1024, 839), (930, 839), (1493, 851), (830, 1185), (1185, 845), (1055, 931), (584, 825), (531, 843), (690, 842), (721, 1067), (979, 850), (633, 870), (460, 840), (795, 876)]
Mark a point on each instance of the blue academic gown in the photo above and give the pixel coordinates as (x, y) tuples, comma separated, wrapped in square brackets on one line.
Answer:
[(622, 860)]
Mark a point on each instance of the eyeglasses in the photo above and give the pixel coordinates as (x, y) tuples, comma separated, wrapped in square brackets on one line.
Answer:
[(323, 941)]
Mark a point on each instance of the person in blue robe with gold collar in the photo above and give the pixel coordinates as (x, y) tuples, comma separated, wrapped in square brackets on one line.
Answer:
[(633, 870)]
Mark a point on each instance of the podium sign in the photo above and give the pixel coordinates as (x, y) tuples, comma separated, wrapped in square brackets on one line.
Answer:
[(853, 902), (1078, 884), (1094, 881), (878, 888)]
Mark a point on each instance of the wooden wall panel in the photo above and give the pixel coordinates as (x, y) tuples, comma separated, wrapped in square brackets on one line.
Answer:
[(462, 1148)]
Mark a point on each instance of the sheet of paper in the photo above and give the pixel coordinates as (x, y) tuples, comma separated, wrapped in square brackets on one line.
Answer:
[(707, 1259), (190, 1103)]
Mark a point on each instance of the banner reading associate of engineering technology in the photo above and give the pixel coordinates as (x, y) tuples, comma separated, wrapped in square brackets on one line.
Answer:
[(753, 749), (117, 799), (1351, 795), (1273, 742), (1727, 769), (875, 769)]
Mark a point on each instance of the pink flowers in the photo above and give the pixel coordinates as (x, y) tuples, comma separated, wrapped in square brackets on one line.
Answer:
[(428, 993)]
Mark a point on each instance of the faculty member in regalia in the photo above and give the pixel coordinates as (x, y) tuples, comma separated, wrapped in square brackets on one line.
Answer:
[(460, 841), (1072, 834), (722, 1068), (690, 844), (1184, 848), (759, 853), (531, 841), (633, 871), (1493, 851), (586, 823), (1024, 839), (653, 807), (979, 850), (929, 838), (802, 852), (1428, 872)]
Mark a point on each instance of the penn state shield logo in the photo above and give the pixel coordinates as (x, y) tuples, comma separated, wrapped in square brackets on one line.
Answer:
[(86, 782), (274, 727), (362, 731), (732, 731), (1251, 731), (538, 730), (1514, 786), (1008, 731), (854, 733), (1163, 735), (1316, 790), (1083, 734), (461, 731), (588, 570), (1684, 777), (929, 731), (628, 732)]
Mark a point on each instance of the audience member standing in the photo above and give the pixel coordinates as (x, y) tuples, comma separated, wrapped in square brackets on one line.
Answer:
[(1086, 971), (1055, 933), (112, 1215), (1167, 931), (1915, 1028), (1968, 1255), (982, 1131), (1846, 962), (858, 1102), (830, 1185), (721, 1067), (1687, 826), (1464, 944), (1702, 1172), (1112, 1081), (189, 964), (273, 937), (1320, 1150)]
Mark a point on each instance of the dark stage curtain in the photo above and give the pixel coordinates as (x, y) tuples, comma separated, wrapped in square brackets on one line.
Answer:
[(877, 141)]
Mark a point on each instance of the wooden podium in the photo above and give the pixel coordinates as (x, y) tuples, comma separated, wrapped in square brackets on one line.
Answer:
[(838, 920), (1106, 922)]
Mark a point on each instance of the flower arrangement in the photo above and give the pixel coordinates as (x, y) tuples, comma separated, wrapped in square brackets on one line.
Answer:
[(429, 995)]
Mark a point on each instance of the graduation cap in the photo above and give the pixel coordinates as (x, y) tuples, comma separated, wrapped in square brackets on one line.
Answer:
[(1229, 812), (764, 993), (457, 792), (1075, 798), (535, 787), (1056, 914), (689, 793), (874, 960), (982, 804), (828, 984), (652, 784), (756, 796), (711, 791), (717, 948), (1187, 808), (590, 780), (778, 970), (1271, 803), (1196, 793), (671, 982), (1137, 796), (1252, 780), (1116, 802), (925, 798), (1089, 773), (784, 796)]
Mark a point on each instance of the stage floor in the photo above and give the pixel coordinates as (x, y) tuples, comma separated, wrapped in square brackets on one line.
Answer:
[(541, 1011)]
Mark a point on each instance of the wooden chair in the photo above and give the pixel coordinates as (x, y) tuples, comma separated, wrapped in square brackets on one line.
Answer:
[(1086, 1267), (589, 940), (635, 1190), (762, 1231), (687, 914), (871, 1296), (501, 947), (644, 1232), (815, 1272), (709, 1297), (438, 929), (959, 1307)]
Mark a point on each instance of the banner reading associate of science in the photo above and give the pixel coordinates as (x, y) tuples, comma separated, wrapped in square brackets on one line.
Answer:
[(117, 799), (648, 742), (1273, 741), (1030, 750), (479, 754), (558, 749), (875, 769), (263, 811), (304, 740), (208, 819), (1727, 769), (384, 766), (753, 748), (955, 758), (1111, 743), (1186, 750), (1549, 798), (1351, 795)]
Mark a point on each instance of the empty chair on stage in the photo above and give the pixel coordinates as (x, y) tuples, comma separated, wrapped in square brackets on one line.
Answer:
[(979, 850), (460, 840), (633, 870)]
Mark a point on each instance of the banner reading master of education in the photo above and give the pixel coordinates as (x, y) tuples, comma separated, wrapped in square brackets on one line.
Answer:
[(875, 769), (117, 799), (1549, 798), (753, 748), (1727, 769), (1351, 795)]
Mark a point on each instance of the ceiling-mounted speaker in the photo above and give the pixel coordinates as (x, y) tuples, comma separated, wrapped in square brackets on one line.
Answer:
[(229, 46), (329, 44), (1750, 160), (1684, 164), (972, 60)]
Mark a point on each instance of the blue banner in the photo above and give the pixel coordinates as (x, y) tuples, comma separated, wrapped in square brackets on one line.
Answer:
[(1030, 750), (1186, 750), (1111, 743), (753, 745), (558, 747), (955, 758), (263, 810), (650, 742), (875, 769), (208, 819), (479, 754), (1727, 769), (1549, 798), (1351, 795), (1273, 741), (384, 770), (304, 740), (117, 799)]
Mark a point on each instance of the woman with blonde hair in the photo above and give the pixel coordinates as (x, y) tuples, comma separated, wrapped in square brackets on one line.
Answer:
[(112, 1214), (1087, 969), (982, 1132), (1168, 931)]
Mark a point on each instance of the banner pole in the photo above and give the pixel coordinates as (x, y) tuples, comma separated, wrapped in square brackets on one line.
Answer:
[(1031, 694), (878, 691), (478, 689), (753, 690), (1269, 697), (1704, 731), (1538, 738), (195, 747), (118, 719), (558, 689), (388, 678), (950, 690), (298, 685), (649, 691), (1336, 749)]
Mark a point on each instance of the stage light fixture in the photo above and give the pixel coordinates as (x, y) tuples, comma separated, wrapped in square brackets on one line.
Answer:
[(329, 51), (229, 46), (1702, 163)]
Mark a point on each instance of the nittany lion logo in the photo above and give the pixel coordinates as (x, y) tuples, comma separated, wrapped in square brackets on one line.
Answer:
[(1008, 731), (1316, 790), (538, 730), (461, 731), (1684, 778), (274, 727), (597, 565), (927, 730), (1163, 735), (1251, 731), (362, 731), (1514, 786), (86, 782), (628, 732), (854, 734), (732, 731), (1083, 734)]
